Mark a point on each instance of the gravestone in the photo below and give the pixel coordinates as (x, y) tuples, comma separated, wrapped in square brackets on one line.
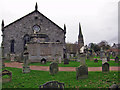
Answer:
[(12, 57), (96, 60), (43, 61), (108, 59), (60, 60), (82, 59), (117, 59), (66, 61), (53, 68), (81, 72), (105, 67), (114, 87), (6, 72), (53, 84), (26, 68), (113, 54)]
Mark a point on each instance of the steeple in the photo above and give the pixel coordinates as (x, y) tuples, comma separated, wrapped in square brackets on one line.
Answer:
[(64, 29), (80, 32), (36, 7), (2, 25), (80, 39)]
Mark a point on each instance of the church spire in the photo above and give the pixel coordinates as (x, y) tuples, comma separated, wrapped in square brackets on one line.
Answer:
[(64, 28), (36, 7), (80, 32)]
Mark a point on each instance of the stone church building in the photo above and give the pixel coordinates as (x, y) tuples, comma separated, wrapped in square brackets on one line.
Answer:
[(43, 38)]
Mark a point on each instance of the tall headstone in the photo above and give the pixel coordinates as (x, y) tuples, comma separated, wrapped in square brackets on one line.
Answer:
[(26, 68), (12, 57), (105, 67), (82, 59), (117, 59), (81, 72), (102, 56), (53, 68)]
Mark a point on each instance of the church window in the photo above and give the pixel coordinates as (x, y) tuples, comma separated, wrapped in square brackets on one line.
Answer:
[(12, 46), (36, 28), (26, 39)]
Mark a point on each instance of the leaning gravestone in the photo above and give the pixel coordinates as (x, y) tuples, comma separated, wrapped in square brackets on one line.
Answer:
[(53, 84), (81, 72), (105, 67), (96, 60), (53, 68), (117, 59)]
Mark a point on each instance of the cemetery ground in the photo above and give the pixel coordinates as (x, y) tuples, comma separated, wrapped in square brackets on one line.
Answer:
[(36, 78), (96, 79)]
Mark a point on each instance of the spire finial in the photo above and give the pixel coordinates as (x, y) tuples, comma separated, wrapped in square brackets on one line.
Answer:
[(2, 26), (64, 28), (36, 6), (2, 23)]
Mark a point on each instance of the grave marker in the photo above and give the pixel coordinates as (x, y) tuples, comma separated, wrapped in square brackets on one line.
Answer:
[(53, 68)]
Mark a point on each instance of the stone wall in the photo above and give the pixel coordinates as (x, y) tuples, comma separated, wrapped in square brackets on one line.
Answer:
[(18, 29), (47, 50)]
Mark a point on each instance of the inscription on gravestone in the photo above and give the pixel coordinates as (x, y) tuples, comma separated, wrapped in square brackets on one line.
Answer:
[(53, 68)]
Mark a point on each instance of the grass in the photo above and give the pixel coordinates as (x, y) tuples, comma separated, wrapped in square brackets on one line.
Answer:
[(36, 78), (76, 64), (5, 76)]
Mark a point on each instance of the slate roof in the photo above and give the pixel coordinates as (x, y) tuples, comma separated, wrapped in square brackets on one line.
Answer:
[(30, 14)]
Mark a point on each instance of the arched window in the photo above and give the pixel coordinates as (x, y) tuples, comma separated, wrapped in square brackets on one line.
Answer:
[(12, 46), (26, 39)]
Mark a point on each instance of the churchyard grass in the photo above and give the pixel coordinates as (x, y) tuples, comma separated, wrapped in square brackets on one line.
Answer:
[(36, 78), (76, 64)]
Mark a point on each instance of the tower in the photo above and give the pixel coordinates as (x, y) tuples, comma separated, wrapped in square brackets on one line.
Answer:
[(80, 39)]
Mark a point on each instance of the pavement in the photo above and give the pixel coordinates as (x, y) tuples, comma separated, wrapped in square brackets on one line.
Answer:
[(46, 68)]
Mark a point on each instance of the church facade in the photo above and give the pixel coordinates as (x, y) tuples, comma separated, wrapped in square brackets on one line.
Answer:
[(43, 38)]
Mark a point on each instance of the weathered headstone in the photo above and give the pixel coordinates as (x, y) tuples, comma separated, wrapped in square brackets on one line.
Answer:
[(6, 72), (108, 59), (113, 87), (117, 59), (53, 84), (81, 72), (53, 68), (105, 67), (66, 61), (12, 57), (96, 60), (26, 68), (82, 59)]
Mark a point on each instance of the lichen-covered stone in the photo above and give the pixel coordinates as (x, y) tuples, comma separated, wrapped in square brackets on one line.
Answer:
[(53, 68), (81, 72)]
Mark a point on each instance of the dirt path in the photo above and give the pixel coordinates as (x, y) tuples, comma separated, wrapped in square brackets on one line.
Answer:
[(46, 68)]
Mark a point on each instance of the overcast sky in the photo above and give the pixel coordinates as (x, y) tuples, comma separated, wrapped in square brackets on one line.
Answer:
[(98, 18)]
